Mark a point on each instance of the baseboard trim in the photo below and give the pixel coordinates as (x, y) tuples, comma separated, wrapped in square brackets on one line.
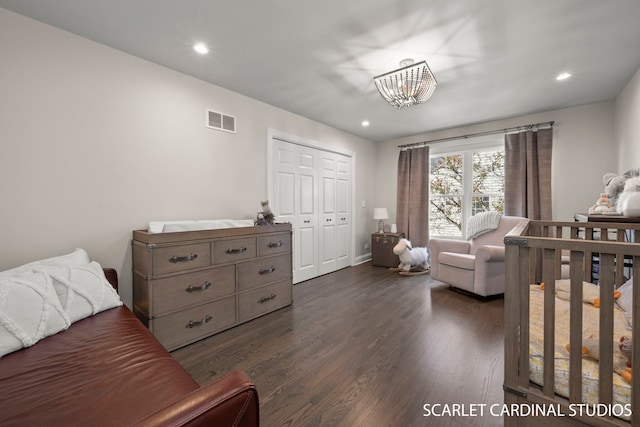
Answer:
[(362, 259)]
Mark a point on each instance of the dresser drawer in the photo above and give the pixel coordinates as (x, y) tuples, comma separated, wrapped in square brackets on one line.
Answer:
[(191, 324), (178, 292), (274, 244), (260, 301), (264, 270), (172, 259), (232, 250)]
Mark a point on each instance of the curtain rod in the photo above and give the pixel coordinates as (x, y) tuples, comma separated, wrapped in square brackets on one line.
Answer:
[(490, 132)]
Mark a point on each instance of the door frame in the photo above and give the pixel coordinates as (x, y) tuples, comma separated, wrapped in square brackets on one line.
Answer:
[(298, 140)]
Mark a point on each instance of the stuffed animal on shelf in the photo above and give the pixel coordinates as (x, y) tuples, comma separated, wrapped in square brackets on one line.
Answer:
[(266, 217), (629, 199), (412, 260), (614, 185), (602, 205)]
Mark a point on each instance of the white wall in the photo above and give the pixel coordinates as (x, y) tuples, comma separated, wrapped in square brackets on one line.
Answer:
[(583, 151), (96, 143), (627, 126)]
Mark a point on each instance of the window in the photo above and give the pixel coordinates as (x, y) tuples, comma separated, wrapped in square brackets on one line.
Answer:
[(464, 180)]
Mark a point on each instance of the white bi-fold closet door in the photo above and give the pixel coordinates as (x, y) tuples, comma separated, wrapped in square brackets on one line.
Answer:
[(311, 188)]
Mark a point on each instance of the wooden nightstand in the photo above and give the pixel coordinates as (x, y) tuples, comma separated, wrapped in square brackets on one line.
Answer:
[(382, 249)]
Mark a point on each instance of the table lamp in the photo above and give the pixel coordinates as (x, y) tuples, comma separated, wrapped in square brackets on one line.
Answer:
[(380, 214)]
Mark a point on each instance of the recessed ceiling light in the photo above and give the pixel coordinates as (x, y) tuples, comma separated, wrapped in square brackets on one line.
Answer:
[(563, 76), (365, 123), (201, 48)]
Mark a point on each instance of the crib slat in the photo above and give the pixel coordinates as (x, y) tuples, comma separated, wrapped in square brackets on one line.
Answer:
[(605, 372), (511, 321), (620, 237), (576, 259), (548, 277), (588, 256), (525, 255)]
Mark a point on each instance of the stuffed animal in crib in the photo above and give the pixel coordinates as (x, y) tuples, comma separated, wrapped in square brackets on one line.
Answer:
[(621, 361), (590, 292), (626, 348), (410, 257)]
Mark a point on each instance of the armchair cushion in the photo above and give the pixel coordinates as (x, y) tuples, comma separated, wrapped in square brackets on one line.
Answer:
[(437, 246), (464, 261)]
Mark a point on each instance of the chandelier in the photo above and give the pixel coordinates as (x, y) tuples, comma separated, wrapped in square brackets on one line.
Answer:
[(408, 85)]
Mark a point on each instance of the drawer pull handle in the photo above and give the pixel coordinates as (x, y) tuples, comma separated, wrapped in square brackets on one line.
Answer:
[(192, 288), (193, 324), (239, 250), (175, 259), (268, 270), (267, 299), (277, 244)]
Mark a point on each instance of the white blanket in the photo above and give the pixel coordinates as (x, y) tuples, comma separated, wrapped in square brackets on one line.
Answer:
[(483, 222)]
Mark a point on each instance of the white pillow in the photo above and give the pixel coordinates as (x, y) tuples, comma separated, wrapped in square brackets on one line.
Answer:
[(77, 257), (29, 311), (625, 300), (82, 290)]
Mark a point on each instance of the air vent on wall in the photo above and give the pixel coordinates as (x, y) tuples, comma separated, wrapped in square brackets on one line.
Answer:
[(221, 121)]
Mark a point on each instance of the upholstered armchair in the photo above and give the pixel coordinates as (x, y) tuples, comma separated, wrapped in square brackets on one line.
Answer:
[(476, 265)]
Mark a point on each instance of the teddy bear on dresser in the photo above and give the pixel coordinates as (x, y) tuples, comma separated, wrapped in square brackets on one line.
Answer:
[(266, 217)]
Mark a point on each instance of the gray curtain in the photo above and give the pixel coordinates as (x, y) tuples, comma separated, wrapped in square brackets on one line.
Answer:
[(413, 195), (528, 174)]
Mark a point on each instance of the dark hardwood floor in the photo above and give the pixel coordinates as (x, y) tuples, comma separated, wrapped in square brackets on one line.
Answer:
[(365, 347)]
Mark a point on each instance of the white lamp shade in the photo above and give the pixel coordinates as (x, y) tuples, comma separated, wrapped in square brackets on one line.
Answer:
[(380, 213)]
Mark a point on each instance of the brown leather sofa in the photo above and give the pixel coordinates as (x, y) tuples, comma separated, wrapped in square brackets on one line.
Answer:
[(109, 370)]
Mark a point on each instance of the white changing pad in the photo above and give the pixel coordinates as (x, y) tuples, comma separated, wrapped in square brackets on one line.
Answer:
[(204, 224)]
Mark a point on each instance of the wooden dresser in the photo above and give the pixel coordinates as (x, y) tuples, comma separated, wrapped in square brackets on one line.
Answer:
[(191, 284)]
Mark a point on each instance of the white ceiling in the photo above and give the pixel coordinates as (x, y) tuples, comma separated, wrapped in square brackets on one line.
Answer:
[(492, 58)]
